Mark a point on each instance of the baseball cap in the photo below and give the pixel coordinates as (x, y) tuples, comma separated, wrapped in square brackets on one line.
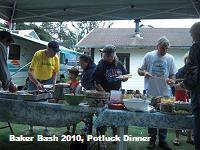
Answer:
[(73, 70), (108, 49), (54, 46)]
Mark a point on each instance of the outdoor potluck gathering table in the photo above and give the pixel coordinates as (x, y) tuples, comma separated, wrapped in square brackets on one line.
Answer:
[(122, 119), (60, 115), (42, 113)]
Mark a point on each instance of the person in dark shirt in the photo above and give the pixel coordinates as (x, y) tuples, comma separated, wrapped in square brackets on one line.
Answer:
[(193, 60), (180, 75), (5, 77), (87, 82), (89, 67), (108, 69)]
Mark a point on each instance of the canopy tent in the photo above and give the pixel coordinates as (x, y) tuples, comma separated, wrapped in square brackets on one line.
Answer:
[(78, 10)]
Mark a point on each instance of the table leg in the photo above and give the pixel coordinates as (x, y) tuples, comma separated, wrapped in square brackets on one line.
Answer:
[(122, 145)]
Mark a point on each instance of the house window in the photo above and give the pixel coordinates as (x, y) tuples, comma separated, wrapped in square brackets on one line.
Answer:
[(124, 58)]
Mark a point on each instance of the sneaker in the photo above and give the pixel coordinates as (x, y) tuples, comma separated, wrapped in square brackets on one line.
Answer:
[(151, 145), (176, 142), (46, 132), (164, 146), (191, 141)]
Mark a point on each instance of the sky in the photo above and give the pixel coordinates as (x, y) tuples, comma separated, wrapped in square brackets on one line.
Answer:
[(157, 23)]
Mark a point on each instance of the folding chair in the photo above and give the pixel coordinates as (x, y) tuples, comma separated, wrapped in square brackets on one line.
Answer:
[(8, 126)]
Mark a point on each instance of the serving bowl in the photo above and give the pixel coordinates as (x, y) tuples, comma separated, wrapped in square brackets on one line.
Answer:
[(74, 99), (136, 104)]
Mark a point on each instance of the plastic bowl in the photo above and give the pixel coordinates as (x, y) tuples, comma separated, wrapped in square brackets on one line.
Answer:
[(136, 104), (74, 99)]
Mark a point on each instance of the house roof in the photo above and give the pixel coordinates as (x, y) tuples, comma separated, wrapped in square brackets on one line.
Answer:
[(126, 37), (29, 33)]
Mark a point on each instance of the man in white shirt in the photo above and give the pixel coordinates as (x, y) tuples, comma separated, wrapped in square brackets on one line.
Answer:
[(158, 69)]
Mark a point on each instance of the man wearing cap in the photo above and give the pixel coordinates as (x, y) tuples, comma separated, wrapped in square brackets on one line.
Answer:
[(107, 71), (44, 67), (43, 70), (5, 77)]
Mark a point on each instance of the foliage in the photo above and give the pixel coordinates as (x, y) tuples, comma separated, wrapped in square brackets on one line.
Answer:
[(69, 33), (66, 33), (60, 32), (84, 27)]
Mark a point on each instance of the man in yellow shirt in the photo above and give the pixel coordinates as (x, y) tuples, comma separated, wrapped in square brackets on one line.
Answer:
[(44, 67), (43, 70)]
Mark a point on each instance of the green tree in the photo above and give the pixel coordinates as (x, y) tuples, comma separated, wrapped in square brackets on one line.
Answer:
[(84, 27)]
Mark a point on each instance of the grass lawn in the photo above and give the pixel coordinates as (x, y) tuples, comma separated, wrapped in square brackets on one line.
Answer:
[(22, 129)]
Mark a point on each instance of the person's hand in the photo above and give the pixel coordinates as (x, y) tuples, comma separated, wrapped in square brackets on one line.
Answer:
[(147, 74), (125, 79), (170, 82), (40, 86), (12, 88), (180, 86)]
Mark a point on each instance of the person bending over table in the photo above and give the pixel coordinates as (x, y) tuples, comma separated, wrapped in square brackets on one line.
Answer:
[(43, 70)]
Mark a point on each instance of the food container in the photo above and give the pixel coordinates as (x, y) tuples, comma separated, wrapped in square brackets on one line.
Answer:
[(27, 95), (96, 102), (97, 94), (96, 98), (155, 102), (179, 105), (118, 106), (136, 104), (74, 99), (166, 107), (181, 95), (60, 90)]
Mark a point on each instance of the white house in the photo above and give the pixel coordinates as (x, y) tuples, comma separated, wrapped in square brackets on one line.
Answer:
[(131, 47)]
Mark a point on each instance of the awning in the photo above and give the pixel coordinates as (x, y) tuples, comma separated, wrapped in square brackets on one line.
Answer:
[(79, 10)]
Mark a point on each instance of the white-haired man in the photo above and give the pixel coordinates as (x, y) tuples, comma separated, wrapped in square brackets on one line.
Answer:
[(158, 69)]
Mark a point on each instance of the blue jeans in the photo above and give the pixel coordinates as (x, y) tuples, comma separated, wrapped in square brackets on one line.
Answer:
[(32, 86), (153, 133)]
